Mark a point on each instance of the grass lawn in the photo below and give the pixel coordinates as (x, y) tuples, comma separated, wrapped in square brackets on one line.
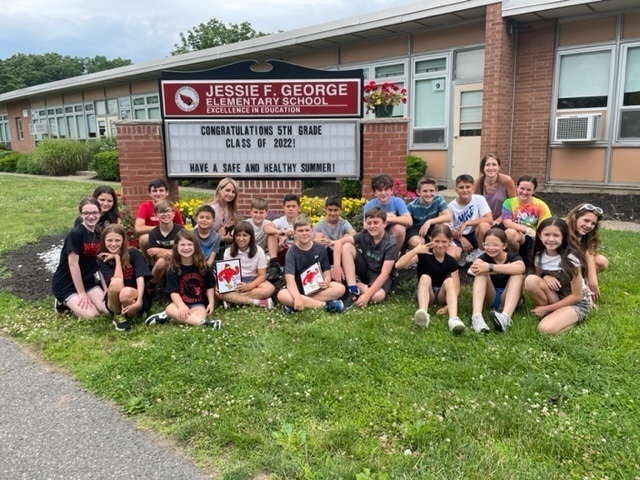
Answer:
[(361, 395)]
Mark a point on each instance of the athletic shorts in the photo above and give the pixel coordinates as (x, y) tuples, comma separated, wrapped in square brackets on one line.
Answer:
[(472, 240), (146, 302), (368, 277), (498, 300)]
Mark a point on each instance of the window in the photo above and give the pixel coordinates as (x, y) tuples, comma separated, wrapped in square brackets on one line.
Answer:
[(431, 80), (630, 108), (584, 80), (19, 128), (380, 73), (469, 65), (146, 107), (5, 137)]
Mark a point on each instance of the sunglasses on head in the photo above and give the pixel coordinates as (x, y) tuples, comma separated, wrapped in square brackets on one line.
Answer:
[(591, 208)]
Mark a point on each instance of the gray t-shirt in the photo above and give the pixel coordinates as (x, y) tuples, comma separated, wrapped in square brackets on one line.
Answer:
[(375, 254), (298, 260), (333, 232)]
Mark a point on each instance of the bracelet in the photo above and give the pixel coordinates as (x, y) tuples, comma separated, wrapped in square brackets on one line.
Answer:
[(490, 267)]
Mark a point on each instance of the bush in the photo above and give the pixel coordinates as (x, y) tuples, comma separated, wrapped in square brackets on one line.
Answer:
[(59, 157), (3, 147), (106, 166), (30, 164), (416, 168), (351, 188), (351, 209), (9, 162), (99, 145)]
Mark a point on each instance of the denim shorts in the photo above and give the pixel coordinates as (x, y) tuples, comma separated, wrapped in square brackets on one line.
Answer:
[(497, 301)]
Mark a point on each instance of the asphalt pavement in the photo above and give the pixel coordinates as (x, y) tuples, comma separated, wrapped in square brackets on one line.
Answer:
[(52, 429)]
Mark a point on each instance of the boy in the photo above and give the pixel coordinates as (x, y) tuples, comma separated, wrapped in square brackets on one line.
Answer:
[(268, 241), (333, 227), (427, 210), (471, 219), (161, 240), (301, 256), (373, 262), (209, 238), (146, 218), (398, 217), (283, 227)]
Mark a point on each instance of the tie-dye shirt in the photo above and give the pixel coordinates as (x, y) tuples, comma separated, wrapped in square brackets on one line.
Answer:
[(530, 214)]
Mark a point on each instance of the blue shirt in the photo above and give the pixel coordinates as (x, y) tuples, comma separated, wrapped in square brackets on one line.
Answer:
[(395, 206)]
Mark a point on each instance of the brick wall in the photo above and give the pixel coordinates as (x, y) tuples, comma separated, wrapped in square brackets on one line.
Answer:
[(15, 110), (534, 88), (384, 150), (497, 97)]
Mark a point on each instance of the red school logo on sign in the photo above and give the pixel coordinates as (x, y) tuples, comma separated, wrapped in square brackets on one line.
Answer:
[(261, 98)]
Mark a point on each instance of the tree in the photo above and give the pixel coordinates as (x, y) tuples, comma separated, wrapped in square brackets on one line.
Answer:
[(25, 70), (213, 34)]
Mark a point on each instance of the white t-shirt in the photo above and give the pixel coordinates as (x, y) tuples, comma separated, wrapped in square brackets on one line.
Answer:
[(548, 263), (281, 223), (249, 266), (476, 208)]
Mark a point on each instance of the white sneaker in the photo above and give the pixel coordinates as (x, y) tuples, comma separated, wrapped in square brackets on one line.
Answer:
[(421, 318), (463, 260), (478, 324), (456, 325), (501, 321)]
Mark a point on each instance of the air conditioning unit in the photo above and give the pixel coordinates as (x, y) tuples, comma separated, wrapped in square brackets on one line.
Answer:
[(578, 128), (38, 128)]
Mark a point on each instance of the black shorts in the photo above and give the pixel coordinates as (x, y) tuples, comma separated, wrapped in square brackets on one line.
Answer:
[(146, 302), (367, 277), (413, 231)]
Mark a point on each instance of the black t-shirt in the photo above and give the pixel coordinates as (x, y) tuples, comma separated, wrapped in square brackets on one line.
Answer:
[(158, 240), (86, 245), (500, 280), (298, 261), (137, 268), (438, 271), (190, 283), (375, 254)]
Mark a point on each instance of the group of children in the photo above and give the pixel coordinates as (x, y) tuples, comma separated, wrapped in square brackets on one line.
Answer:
[(332, 266)]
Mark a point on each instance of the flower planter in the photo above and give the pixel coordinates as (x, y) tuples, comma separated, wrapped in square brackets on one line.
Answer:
[(383, 111)]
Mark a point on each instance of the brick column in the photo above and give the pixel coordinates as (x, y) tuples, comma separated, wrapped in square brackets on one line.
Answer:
[(534, 88), (384, 150), (497, 96), (273, 191), (141, 158)]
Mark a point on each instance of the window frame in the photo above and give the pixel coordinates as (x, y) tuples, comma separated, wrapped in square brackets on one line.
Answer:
[(622, 62)]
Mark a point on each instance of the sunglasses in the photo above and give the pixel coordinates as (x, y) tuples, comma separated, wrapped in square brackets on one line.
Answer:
[(591, 208)]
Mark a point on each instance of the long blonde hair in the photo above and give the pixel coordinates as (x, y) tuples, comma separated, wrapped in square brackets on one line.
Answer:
[(232, 206)]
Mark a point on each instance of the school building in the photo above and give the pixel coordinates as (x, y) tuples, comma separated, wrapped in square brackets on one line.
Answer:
[(551, 86)]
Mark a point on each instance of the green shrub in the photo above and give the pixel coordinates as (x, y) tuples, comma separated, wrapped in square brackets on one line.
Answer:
[(99, 145), (4, 153), (30, 164), (416, 168), (106, 166), (59, 157), (8, 162), (3, 147), (351, 188)]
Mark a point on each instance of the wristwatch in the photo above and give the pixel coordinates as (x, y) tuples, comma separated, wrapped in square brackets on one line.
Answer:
[(491, 267)]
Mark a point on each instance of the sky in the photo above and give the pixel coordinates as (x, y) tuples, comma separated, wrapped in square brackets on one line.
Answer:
[(143, 30)]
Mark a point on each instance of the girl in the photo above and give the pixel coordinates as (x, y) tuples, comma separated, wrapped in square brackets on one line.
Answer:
[(438, 280), (556, 286), (493, 185), (74, 282), (497, 283), (123, 272), (225, 204), (109, 213), (522, 214), (584, 227), (254, 288), (190, 285)]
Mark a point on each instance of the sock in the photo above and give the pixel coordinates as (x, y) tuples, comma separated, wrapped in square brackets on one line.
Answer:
[(256, 302), (354, 289)]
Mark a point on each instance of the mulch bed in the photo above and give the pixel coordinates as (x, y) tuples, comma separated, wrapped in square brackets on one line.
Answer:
[(24, 274)]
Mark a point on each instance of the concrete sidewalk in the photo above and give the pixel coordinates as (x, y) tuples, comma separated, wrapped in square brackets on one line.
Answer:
[(51, 429)]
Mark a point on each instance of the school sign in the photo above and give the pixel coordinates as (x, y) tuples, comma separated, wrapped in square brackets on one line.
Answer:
[(290, 122)]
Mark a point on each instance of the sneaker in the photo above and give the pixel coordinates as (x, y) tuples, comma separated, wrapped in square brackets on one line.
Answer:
[(59, 307), (334, 306), (471, 256), (225, 305), (287, 309), (421, 318), (266, 303), (456, 325), (501, 321), (349, 298), (159, 318), (478, 324), (463, 260), (470, 273), (274, 271), (215, 324), (121, 323)]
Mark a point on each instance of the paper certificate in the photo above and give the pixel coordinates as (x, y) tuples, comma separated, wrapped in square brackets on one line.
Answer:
[(228, 275), (311, 278)]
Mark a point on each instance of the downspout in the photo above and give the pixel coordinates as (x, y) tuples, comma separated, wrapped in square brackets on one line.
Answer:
[(514, 26)]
